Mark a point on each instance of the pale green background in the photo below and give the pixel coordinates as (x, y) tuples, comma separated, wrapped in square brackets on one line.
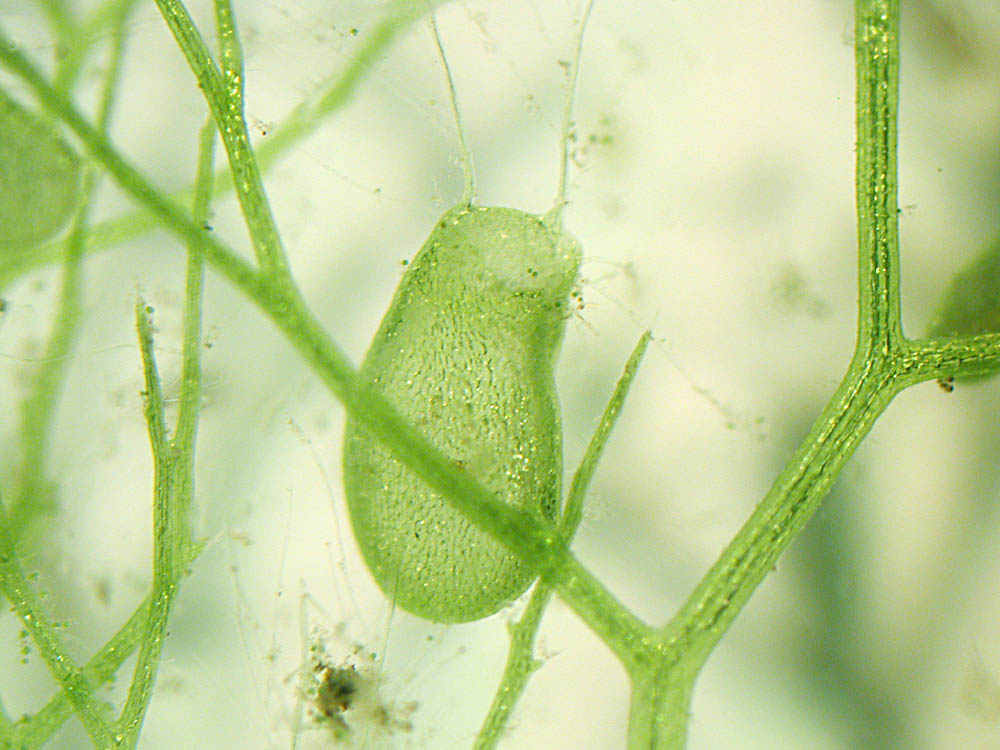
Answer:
[(715, 204)]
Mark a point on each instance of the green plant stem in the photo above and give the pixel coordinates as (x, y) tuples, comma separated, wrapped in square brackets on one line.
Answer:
[(543, 548), (75, 40), (38, 412), (185, 434), (521, 664), (33, 496), (662, 664), (224, 93), (661, 694), (102, 667), (876, 28), (60, 21), (873, 378), (26, 603), (278, 297), (165, 535), (573, 512), (962, 356), (173, 465), (173, 549), (520, 661), (38, 409), (300, 124)]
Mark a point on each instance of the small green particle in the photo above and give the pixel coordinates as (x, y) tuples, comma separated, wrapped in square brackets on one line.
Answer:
[(466, 351), (25, 639), (39, 177)]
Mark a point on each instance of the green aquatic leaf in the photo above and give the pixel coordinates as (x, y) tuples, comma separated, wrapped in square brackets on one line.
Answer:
[(971, 305), (39, 177), (466, 351)]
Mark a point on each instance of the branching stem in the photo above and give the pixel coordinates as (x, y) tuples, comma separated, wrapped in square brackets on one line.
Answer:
[(662, 662)]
